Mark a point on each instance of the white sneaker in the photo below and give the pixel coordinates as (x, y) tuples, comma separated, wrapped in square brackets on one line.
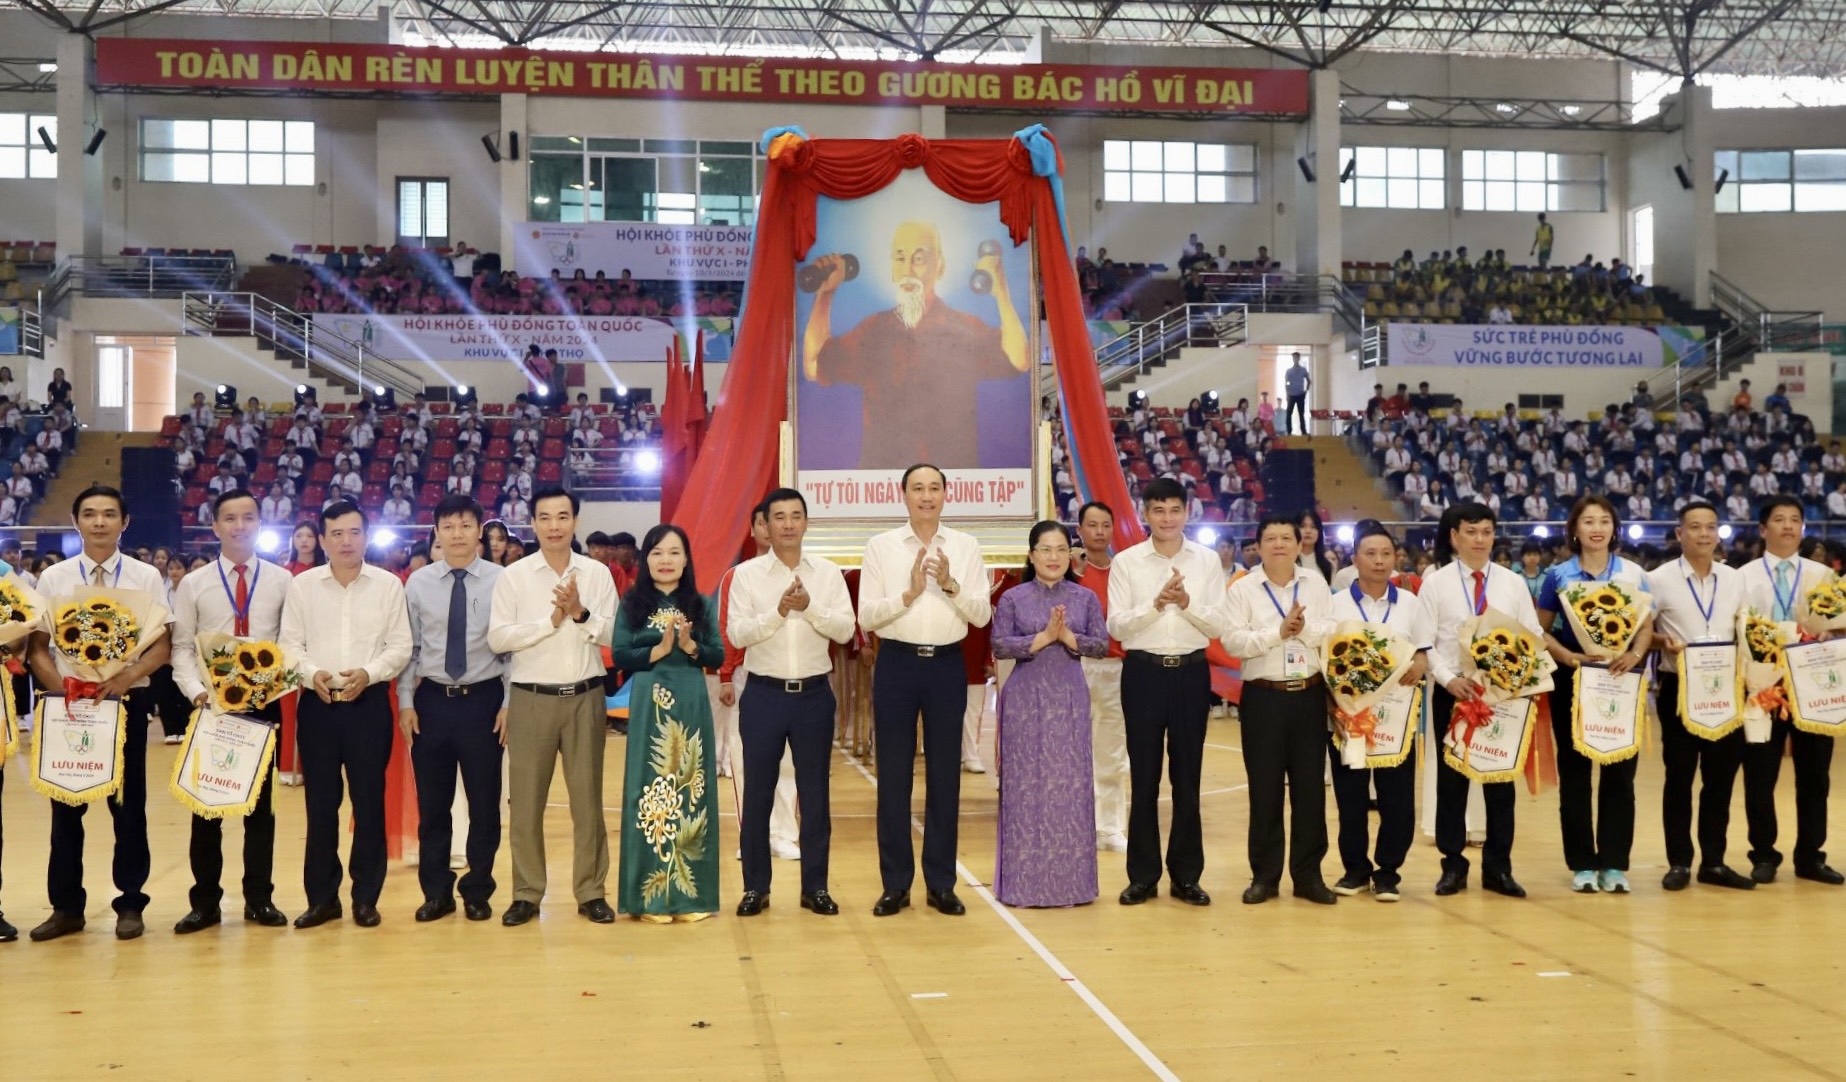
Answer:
[(974, 766), (287, 778), (1114, 843), (457, 861), (782, 850)]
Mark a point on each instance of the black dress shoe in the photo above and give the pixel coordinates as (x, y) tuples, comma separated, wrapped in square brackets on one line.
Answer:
[(1317, 892), (266, 915), (1819, 873), (1723, 875), (1503, 884), (477, 910), (1258, 893), (58, 924), (129, 925), (597, 911), (8, 933), (365, 914), (821, 903), (436, 909), (890, 902), (518, 913), (1677, 878), (1762, 871), (1136, 893), (1190, 893), (752, 903), (1452, 882), (946, 903), (196, 921), (319, 915)]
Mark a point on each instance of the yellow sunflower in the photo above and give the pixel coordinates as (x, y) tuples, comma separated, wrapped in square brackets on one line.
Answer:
[(248, 659), (1501, 636), (234, 695)]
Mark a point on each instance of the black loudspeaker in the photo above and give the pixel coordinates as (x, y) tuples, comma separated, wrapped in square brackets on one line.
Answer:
[(1684, 180), (153, 502), (1288, 482)]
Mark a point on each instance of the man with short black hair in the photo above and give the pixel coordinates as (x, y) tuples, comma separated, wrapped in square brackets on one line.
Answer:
[(344, 628), (1103, 676), (1166, 604), (452, 709), (239, 594), (101, 516)]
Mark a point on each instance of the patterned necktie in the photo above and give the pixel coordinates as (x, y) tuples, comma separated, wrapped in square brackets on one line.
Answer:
[(455, 652), (1480, 592), (1783, 588), (240, 625), (96, 575)]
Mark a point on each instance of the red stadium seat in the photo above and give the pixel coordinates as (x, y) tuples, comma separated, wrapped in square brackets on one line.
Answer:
[(440, 408), (550, 473), (494, 471), (446, 428), (493, 409), (610, 427), (385, 449), (430, 496), (196, 495), (379, 469), (487, 495), (499, 449), (204, 472), (335, 427), (551, 450), (213, 448), (392, 427), (280, 426), (334, 407), (437, 470), (322, 472), (170, 427), (557, 427), (501, 428), (329, 447), (265, 473), (442, 449), (272, 448), (312, 497)]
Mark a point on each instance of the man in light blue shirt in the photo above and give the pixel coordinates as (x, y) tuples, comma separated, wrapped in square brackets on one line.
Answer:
[(452, 706), (1296, 381)]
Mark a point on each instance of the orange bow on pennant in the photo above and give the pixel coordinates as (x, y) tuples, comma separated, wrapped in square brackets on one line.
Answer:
[(1468, 717), (1363, 724)]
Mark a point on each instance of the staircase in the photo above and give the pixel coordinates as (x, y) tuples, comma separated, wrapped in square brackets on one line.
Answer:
[(295, 338), (1342, 485), (96, 461)]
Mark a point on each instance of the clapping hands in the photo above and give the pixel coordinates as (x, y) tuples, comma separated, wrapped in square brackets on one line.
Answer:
[(1057, 630), (682, 628), (1173, 593), (1297, 619), (794, 599)]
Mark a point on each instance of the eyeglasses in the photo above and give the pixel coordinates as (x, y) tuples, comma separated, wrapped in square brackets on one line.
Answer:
[(1043, 551)]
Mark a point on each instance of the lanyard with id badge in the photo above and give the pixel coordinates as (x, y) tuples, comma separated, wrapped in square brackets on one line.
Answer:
[(1298, 662)]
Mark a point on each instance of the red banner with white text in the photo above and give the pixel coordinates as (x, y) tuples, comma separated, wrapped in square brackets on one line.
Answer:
[(338, 68)]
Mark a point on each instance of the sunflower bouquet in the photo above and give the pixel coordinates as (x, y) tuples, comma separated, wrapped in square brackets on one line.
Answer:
[(1823, 608), (1504, 658), (22, 611), (99, 631), (1765, 671), (245, 675), (1605, 615), (1362, 664)]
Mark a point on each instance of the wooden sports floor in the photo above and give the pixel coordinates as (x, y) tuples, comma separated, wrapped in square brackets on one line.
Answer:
[(1707, 983)]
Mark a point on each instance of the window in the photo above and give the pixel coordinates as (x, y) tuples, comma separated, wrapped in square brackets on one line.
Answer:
[(22, 155), (1531, 180), (1400, 178), (683, 181), (113, 365), (423, 211), (225, 151), (1151, 171), (1761, 181)]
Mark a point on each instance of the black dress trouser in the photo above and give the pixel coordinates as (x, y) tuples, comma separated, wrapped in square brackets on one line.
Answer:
[(64, 877), (1762, 766), (1605, 840), (354, 737), (769, 719), (1283, 734), (457, 731), (1687, 756), (207, 845), (905, 684), (1163, 714), (1452, 805)]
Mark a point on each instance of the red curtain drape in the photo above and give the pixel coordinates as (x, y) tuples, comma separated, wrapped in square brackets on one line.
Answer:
[(738, 463)]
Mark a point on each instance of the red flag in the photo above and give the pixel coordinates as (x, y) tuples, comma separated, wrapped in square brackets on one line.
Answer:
[(675, 450)]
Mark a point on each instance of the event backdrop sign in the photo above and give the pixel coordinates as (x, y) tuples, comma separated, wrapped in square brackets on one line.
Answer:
[(915, 352), (346, 68), (647, 250), (578, 339), (1519, 346), (9, 330)]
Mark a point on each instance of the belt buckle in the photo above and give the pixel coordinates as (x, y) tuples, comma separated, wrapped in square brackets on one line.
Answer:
[(794, 687), (926, 651), (453, 691), (1171, 661), (569, 691)]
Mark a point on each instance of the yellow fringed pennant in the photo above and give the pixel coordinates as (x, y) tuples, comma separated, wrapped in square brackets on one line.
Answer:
[(9, 721), (1397, 720), (1616, 731), (1497, 751), (65, 766), (1714, 668), (222, 763), (1817, 686)]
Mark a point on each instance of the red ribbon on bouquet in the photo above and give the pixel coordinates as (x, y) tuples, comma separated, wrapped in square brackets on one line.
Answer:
[(1771, 698), (1468, 717), (80, 690), (1363, 724)]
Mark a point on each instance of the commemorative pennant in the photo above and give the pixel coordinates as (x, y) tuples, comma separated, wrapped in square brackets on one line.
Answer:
[(222, 764), (1710, 689), (1608, 714), (77, 748), (1817, 685)]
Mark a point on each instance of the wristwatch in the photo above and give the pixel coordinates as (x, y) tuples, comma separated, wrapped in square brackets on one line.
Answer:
[(952, 589), (583, 618)]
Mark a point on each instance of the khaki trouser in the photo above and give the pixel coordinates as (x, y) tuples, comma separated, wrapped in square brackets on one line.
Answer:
[(540, 728), (1108, 744)]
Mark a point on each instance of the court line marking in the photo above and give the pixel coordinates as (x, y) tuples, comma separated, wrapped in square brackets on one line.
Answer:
[(1070, 980)]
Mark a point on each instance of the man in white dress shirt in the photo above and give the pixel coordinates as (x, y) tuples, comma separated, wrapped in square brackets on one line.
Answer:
[(1166, 604), (1466, 584), (551, 610), (786, 610), (1103, 675), (344, 626), (100, 517), (1696, 599), (921, 587), (1276, 619), (1774, 585), (237, 594)]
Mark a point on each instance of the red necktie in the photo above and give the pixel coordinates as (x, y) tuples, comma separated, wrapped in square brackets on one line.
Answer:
[(1480, 592), (241, 624)]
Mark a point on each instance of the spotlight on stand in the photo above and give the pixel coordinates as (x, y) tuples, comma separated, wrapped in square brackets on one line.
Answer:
[(225, 398), (1137, 400), (1634, 531), (464, 395), (384, 539), (647, 462), (1211, 399), (383, 397), (268, 541), (1541, 531), (1725, 531), (1208, 537), (1343, 533), (301, 394)]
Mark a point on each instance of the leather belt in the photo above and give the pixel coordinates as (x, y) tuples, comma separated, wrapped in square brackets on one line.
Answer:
[(792, 687), (562, 691), (1302, 684), (923, 649), (456, 691), (1168, 661)]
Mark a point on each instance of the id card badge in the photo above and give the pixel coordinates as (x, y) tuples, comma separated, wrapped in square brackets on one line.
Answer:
[(1297, 659)]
